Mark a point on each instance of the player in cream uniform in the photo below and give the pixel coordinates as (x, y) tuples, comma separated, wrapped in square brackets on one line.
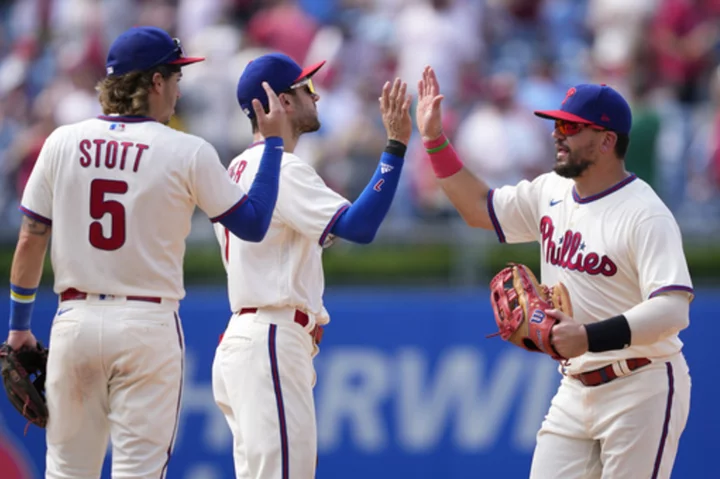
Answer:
[(624, 398), (286, 269), (263, 373), (119, 192)]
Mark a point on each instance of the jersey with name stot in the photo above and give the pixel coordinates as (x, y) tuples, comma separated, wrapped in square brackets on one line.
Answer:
[(119, 193), (612, 250), (285, 269)]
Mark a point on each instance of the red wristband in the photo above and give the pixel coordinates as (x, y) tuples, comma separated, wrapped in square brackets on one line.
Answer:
[(443, 158)]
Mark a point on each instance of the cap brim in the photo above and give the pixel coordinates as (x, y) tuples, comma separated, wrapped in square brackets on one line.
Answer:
[(562, 115), (311, 70), (186, 61)]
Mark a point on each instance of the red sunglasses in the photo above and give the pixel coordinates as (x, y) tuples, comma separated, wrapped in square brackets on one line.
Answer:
[(570, 128)]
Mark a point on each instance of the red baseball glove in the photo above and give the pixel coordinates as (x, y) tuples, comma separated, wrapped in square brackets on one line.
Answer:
[(519, 302)]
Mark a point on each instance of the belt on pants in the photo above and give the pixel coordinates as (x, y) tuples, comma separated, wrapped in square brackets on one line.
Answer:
[(300, 318), (604, 375), (73, 294)]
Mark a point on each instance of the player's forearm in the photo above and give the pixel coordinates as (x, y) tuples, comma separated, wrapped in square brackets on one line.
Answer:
[(644, 324), (29, 254), (466, 192), (658, 318), (26, 271), (251, 220), (361, 221)]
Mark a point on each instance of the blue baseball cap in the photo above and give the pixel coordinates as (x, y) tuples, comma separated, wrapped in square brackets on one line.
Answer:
[(143, 48), (279, 70), (593, 105)]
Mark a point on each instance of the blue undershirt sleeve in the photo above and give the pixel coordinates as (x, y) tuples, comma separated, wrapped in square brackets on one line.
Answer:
[(250, 219), (360, 222)]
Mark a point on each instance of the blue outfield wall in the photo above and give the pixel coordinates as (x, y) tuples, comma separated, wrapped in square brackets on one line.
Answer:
[(408, 386)]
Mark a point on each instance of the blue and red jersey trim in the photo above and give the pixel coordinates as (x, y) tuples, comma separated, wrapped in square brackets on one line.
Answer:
[(229, 212), (605, 193), (493, 217), (670, 288), (35, 216), (332, 222)]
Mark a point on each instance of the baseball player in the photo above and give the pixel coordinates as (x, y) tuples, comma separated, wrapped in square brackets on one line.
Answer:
[(624, 397), (118, 192), (263, 374)]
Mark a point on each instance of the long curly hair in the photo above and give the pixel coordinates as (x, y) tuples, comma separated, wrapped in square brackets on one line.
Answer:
[(128, 94)]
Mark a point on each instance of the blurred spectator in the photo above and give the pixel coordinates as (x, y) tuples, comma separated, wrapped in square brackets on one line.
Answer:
[(616, 26), (685, 33), (283, 26), (443, 33), (502, 141), (714, 142), (641, 156)]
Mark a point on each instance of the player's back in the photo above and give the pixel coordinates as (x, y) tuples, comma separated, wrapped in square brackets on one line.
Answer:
[(121, 205)]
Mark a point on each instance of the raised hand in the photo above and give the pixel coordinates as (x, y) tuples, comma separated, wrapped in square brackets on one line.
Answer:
[(395, 109), (428, 114), (275, 122)]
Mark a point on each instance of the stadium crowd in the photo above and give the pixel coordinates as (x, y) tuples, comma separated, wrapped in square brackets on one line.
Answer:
[(497, 60)]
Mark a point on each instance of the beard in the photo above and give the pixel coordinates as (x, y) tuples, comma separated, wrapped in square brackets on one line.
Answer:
[(573, 166)]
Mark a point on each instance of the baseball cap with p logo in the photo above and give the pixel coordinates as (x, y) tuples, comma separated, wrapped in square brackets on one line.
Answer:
[(143, 48), (591, 104), (279, 70)]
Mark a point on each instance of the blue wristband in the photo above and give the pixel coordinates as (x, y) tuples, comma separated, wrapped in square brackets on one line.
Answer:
[(22, 301)]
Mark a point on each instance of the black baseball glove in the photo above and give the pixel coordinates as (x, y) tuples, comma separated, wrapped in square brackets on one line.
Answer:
[(23, 374)]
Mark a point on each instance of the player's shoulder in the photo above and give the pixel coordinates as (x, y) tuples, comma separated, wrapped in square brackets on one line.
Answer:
[(642, 201), (253, 154), (183, 138)]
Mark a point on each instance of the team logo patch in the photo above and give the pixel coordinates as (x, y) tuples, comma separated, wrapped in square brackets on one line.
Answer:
[(569, 93), (385, 168), (117, 126)]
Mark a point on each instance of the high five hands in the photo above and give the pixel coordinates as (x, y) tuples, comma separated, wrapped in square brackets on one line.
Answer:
[(395, 108), (428, 114)]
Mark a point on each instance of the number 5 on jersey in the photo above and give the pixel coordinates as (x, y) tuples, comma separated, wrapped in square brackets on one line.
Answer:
[(99, 206)]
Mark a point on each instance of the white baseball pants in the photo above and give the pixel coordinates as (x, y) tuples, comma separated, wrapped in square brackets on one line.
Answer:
[(628, 428), (114, 372), (263, 377)]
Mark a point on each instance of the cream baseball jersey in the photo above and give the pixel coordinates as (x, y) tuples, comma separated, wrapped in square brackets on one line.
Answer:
[(612, 250), (285, 269), (120, 193)]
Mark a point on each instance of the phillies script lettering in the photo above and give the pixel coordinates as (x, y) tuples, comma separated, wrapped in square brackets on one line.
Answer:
[(567, 255)]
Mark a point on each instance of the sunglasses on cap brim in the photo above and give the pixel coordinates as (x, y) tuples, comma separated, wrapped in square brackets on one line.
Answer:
[(305, 82), (175, 54), (570, 128)]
